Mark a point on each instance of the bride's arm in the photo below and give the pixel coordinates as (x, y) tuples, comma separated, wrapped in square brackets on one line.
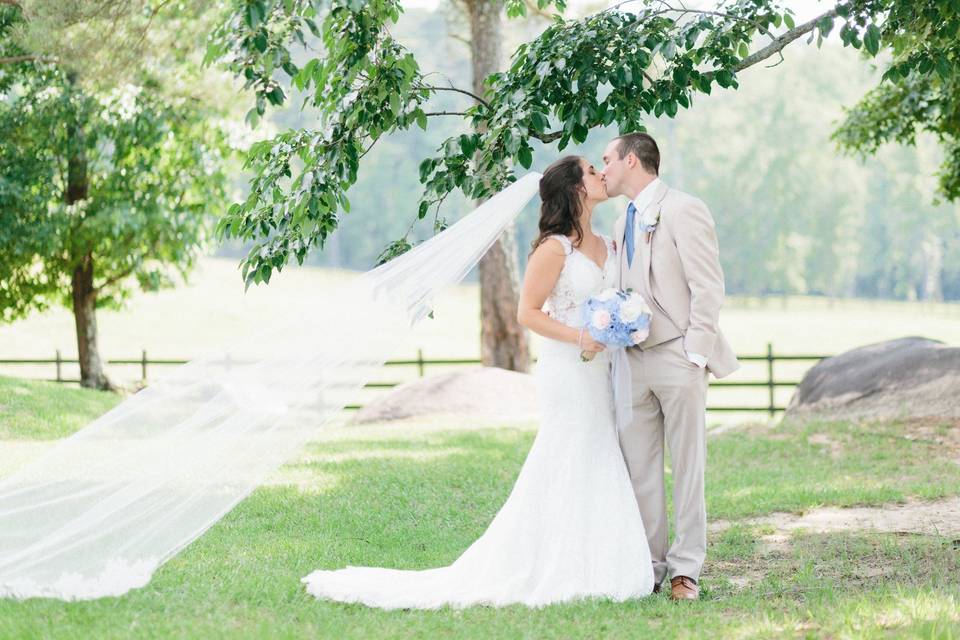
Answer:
[(543, 270)]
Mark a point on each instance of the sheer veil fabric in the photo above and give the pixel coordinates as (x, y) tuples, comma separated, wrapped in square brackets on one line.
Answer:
[(99, 512)]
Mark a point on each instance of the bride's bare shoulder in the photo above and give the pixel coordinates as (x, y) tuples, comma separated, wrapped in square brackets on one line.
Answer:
[(555, 246)]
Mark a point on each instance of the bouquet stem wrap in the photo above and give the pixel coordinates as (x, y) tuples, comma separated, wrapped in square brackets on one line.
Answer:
[(622, 387)]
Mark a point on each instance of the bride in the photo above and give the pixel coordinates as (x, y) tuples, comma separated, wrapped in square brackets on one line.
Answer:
[(571, 527)]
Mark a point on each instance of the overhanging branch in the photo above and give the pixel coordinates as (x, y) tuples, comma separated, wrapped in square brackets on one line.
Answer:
[(775, 47), (456, 90), (781, 41)]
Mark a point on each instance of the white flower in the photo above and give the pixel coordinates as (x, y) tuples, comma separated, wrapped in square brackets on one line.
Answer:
[(633, 307), (639, 335), (607, 294), (650, 217), (600, 319)]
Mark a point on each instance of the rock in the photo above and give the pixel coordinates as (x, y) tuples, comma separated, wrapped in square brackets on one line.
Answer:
[(898, 379), (476, 394)]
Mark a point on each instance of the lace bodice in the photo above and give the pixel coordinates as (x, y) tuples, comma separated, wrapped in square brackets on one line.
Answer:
[(579, 279)]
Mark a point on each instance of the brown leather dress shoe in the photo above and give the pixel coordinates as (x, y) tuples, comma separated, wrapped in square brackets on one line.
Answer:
[(684, 588)]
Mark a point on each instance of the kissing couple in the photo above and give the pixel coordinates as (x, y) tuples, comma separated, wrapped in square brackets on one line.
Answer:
[(587, 516)]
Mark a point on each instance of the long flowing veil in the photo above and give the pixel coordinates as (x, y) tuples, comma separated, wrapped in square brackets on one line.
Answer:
[(101, 510)]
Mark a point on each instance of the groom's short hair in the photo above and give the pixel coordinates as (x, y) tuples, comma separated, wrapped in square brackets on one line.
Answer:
[(644, 147)]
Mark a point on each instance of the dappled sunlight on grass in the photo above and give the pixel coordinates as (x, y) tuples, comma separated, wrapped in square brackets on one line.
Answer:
[(910, 609), (303, 479), (783, 470), (416, 495), (38, 410), (895, 612)]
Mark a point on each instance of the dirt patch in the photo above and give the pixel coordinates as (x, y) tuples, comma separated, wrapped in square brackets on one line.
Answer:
[(470, 395), (944, 434), (941, 517), (835, 448)]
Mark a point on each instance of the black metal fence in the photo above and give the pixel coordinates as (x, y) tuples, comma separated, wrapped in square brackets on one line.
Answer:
[(771, 384)]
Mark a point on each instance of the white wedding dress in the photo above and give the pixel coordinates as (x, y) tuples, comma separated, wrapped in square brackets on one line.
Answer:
[(571, 527)]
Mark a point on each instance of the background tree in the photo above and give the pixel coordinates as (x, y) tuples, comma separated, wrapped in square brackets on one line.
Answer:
[(100, 189), (251, 30)]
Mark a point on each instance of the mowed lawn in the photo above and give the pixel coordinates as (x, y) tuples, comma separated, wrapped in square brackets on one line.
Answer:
[(213, 310), (416, 495)]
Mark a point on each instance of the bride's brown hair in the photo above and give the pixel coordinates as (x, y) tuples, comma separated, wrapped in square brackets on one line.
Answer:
[(561, 188)]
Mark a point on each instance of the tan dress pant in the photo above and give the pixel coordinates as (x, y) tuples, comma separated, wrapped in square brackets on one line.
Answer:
[(669, 404)]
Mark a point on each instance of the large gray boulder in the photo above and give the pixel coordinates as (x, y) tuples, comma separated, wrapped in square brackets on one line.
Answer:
[(898, 379), (484, 395)]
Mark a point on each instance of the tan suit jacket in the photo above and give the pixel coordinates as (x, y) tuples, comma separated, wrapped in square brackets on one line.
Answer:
[(677, 270)]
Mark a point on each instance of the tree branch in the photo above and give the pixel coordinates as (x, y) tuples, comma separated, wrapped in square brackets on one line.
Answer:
[(456, 90), (781, 41), (445, 113), (533, 9)]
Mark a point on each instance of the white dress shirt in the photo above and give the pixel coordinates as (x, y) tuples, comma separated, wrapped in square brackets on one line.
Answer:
[(643, 199)]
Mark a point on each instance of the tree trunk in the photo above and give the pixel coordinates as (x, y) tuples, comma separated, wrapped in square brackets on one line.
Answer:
[(84, 315), (503, 341), (933, 268), (84, 293)]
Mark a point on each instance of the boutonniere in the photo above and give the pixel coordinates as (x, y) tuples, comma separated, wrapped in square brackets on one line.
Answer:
[(648, 226)]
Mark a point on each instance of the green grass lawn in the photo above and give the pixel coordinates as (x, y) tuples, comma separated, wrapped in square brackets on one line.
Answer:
[(417, 496)]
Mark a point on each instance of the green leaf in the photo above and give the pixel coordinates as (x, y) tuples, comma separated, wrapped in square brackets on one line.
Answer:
[(525, 156), (539, 121), (467, 146), (724, 78), (744, 50), (943, 67), (276, 96), (871, 39), (579, 133), (788, 20)]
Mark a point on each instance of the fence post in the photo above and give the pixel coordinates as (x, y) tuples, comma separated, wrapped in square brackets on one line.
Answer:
[(143, 366), (770, 385), (420, 361), (59, 362)]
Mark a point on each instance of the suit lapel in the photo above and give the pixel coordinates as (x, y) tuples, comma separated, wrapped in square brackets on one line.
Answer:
[(647, 252)]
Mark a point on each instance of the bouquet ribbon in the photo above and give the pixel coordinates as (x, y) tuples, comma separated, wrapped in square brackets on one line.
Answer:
[(622, 387)]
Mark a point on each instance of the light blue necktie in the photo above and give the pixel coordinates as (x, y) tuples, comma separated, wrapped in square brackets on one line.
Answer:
[(628, 236)]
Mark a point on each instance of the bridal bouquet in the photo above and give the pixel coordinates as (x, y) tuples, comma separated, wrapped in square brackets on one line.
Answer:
[(616, 318)]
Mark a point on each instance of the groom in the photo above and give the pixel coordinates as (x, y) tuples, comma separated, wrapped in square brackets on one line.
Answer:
[(668, 253)]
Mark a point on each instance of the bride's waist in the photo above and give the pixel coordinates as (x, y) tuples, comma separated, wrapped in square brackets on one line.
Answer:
[(550, 348)]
